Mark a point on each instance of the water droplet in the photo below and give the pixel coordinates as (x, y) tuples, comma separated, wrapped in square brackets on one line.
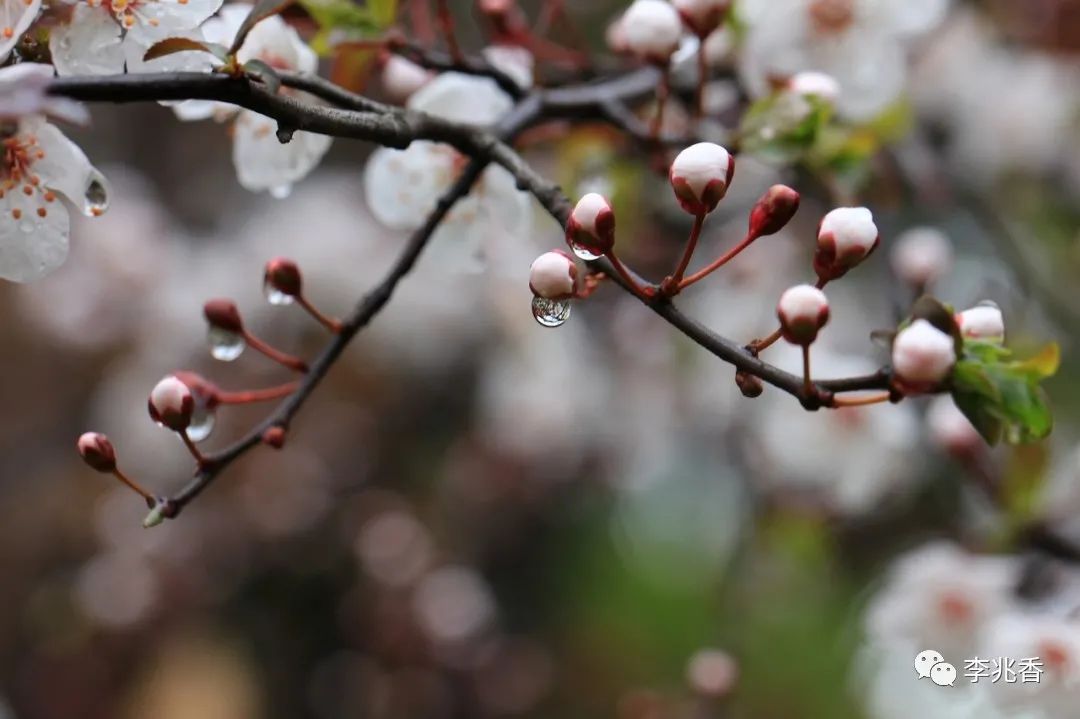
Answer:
[(281, 192), (584, 252), (275, 296), (224, 345), (550, 313), (96, 198), (202, 422)]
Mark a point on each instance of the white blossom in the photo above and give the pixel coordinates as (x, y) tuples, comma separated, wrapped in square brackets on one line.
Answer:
[(950, 429), (103, 37), (39, 166), (860, 43), (921, 256), (16, 17), (815, 84), (700, 176), (402, 77), (982, 322), (402, 186), (651, 29), (552, 275), (262, 161), (847, 235), (922, 355), (803, 310)]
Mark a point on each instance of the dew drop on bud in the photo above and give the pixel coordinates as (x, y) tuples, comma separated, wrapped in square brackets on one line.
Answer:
[(550, 313), (275, 296), (225, 346), (583, 253), (96, 197), (202, 422)]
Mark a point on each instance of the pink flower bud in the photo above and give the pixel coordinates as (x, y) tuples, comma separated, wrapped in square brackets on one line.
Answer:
[(223, 315), (702, 16), (846, 237), (921, 256), (591, 229), (172, 404), (402, 77), (773, 211), (283, 277), (553, 276), (652, 29), (274, 437), (803, 310), (700, 177), (982, 322), (922, 357), (815, 84), (97, 451), (950, 429)]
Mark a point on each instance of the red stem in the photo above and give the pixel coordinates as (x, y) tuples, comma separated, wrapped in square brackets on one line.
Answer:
[(808, 386), (257, 395), (132, 484), (421, 22), (628, 278), (876, 398), (688, 253), (758, 345), (446, 20), (662, 93), (286, 360), (718, 263), (200, 458), (328, 322)]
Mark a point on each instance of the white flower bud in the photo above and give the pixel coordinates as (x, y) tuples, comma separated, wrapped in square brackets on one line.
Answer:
[(982, 322), (922, 356), (702, 16), (921, 256), (815, 84), (402, 77), (803, 310), (846, 237), (552, 276), (652, 29), (172, 404), (950, 429), (591, 229), (700, 176)]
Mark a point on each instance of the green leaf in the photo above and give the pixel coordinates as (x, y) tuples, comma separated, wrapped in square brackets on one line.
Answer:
[(784, 127), (383, 12), (260, 11), (340, 19), (173, 45), (1042, 365)]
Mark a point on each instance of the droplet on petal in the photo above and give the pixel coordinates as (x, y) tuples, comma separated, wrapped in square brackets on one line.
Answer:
[(584, 252), (550, 313), (275, 296), (202, 421), (96, 198), (225, 346)]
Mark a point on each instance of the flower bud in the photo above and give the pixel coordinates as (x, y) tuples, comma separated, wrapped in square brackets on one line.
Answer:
[(950, 429), (97, 451), (815, 84), (172, 404), (702, 16), (591, 229), (846, 237), (921, 256), (700, 177), (402, 77), (750, 385), (553, 276), (773, 211), (223, 315), (652, 30), (982, 322), (274, 437), (282, 277), (803, 310), (922, 356)]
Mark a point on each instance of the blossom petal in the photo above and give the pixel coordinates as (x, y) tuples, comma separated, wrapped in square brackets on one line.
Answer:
[(31, 245), (913, 17), (90, 44), (264, 163), (192, 61), (277, 44), (19, 15), (64, 167), (462, 98), (158, 19), (402, 186)]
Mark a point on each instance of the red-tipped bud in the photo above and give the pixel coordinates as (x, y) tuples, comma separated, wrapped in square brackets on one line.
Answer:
[(652, 29), (274, 437), (846, 237), (700, 176), (171, 404), (553, 276), (983, 322), (922, 357), (97, 451), (223, 314), (590, 232), (749, 385), (803, 310), (773, 211), (702, 16), (282, 281)]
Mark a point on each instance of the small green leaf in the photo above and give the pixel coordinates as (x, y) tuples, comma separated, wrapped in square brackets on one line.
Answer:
[(260, 11), (383, 12), (265, 74), (172, 45), (1042, 365)]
